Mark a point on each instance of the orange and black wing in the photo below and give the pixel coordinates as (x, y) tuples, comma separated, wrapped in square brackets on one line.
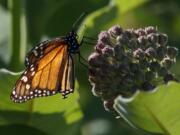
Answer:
[(68, 81), (46, 75), (41, 50)]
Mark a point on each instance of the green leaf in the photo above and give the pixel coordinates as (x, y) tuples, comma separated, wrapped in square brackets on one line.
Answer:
[(73, 113), (19, 130), (107, 16), (156, 111), (34, 113), (127, 5)]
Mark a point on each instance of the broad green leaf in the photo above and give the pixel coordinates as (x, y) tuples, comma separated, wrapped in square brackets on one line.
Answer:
[(19, 130), (50, 108), (73, 113), (127, 5), (156, 111), (53, 124)]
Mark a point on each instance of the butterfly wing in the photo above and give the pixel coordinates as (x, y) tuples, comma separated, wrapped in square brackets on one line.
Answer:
[(44, 76), (41, 50), (68, 81)]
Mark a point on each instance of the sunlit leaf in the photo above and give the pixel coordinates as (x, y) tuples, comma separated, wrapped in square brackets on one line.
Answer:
[(156, 111), (127, 5), (73, 113), (37, 110)]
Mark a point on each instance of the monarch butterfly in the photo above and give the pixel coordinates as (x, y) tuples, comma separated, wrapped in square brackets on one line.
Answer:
[(49, 69)]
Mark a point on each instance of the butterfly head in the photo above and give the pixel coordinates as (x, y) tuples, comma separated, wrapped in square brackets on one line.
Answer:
[(73, 45)]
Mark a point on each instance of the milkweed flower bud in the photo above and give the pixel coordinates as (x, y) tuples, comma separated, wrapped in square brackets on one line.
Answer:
[(162, 71), (96, 91), (147, 86), (169, 77), (107, 51), (155, 66), (127, 60), (140, 32), (150, 75), (139, 77), (108, 105), (163, 38), (161, 52), (99, 47), (150, 29), (144, 64), (96, 59), (167, 63), (133, 44), (134, 67), (129, 33), (139, 53), (115, 31), (122, 39), (142, 41), (152, 38), (172, 52), (119, 52), (104, 37), (150, 52)]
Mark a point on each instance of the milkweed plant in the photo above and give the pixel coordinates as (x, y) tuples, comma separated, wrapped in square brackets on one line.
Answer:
[(125, 61)]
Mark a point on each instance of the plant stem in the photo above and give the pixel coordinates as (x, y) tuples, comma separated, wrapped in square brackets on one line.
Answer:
[(15, 38)]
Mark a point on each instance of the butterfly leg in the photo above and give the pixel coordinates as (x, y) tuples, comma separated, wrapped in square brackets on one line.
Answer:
[(89, 38), (80, 60), (88, 41), (64, 97)]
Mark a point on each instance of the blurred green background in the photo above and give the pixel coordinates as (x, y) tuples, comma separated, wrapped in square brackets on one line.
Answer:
[(24, 23)]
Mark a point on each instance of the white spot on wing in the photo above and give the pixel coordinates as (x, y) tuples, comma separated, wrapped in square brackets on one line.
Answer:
[(35, 53), (48, 93), (31, 92), (32, 69), (39, 92), (14, 92), (32, 74), (28, 86), (71, 90), (54, 92), (41, 45), (24, 79)]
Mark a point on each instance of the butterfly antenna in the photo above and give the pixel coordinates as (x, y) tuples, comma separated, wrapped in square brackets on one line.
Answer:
[(77, 21)]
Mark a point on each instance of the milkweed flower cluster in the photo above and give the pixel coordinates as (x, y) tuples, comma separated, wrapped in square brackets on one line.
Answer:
[(125, 61)]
